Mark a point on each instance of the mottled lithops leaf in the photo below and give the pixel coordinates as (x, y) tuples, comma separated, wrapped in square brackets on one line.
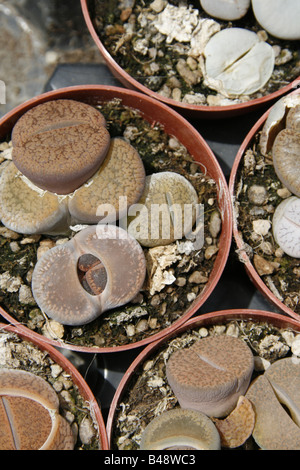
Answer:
[(118, 184), (180, 429), (286, 159), (56, 285), (60, 144), (275, 428), (29, 414), (166, 211), (27, 210), (237, 427), (284, 376), (293, 118), (210, 375), (226, 9), (286, 226), (237, 62)]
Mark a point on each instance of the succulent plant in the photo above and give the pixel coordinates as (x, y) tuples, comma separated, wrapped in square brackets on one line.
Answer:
[(180, 429), (29, 411), (57, 288), (211, 374)]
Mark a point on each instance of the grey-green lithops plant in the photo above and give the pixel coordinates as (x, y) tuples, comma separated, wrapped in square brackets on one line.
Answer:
[(29, 414), (56, 286), (275, 429), (180, 429)]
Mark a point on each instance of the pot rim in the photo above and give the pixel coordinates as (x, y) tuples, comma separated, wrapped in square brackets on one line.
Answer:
[(208, 112), (251, 271), (211, 318), (80, 92), (77, 378)]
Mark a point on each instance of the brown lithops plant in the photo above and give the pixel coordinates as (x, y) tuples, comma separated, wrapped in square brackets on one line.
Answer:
[(237, 427), (29, 414), (60, 144), (275, 428), (117, 184), (210, 375), (56, 286), (180, 429), (27, 211)]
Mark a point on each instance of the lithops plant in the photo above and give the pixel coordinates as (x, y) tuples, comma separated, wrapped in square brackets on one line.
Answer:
[(280, 18), (58, 145), (286, 226), (26, 209), (29, 414), (180, 429), (210, 375), (275, 428), (286, 152), (110, 178), (166, 210), (117, 185), (276, 121), (237, 62), (229, 10), (238, 426), (56, 286)]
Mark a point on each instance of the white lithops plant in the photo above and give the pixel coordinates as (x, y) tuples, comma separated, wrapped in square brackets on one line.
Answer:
[(280, 18), (286, 226), (229, 10), (237, 62)]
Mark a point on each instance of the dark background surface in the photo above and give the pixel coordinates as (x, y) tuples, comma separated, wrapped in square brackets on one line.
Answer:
[(57, 51)]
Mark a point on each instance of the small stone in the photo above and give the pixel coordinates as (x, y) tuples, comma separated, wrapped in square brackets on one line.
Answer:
[(158, 5), (263, 266), (198, 278), (14, 246), (86, 431), (180, 281), (257, 194), (56, 369), (25, 295), (283, 193), (215, 224), (53, 330), (295, 348), (211, 251), (261, 226), (7, 233), (10, 283), (142, 326), (130, 330)]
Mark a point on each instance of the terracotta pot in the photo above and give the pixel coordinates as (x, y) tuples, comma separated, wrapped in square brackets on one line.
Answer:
[(68, 367), (173, 124), (243, 256), (188, 110), (207, 320)]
